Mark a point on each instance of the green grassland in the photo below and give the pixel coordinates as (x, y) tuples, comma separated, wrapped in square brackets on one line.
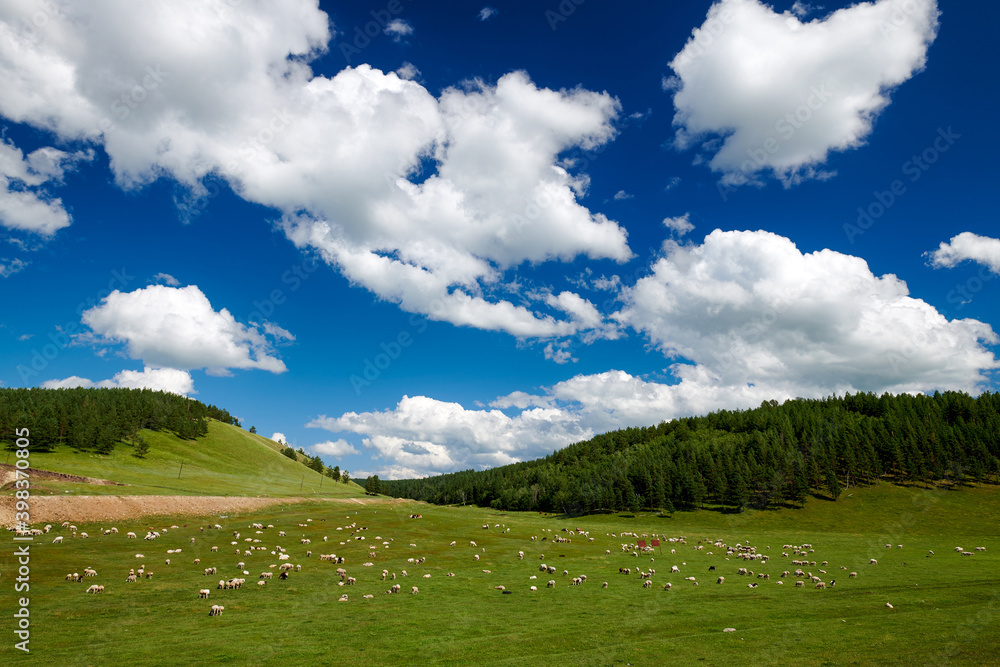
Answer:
[(946, 606), (229, 461)]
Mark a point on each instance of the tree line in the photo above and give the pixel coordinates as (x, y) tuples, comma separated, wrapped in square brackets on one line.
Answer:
[(771, 455), (98, 419)]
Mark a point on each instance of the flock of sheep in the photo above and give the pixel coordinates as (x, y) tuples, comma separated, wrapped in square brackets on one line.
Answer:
[(679, 553)]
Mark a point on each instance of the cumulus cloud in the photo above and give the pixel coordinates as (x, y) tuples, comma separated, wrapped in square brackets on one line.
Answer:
[(782, 93), (279, 437), (680, 225), (335, 448), (621, 195), (748, 308), (178, 328), (157, 379), (967, 247), (25, 203), (427, 435), (487, 13), (426, 200), (408, 71), (398, 29)]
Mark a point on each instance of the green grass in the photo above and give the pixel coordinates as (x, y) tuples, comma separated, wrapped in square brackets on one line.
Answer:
[(228, 462), (946, 606)]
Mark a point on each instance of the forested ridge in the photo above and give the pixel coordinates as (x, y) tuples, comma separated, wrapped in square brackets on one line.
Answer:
[(98, 419), (777, 453)]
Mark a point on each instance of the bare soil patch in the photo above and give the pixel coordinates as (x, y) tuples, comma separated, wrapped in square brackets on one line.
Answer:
[(83, 509)]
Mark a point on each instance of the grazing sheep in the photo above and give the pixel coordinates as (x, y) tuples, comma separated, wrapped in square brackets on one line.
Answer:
[(604, 585), (58, 540), (820, 584), (222, 584), (647, 584), (667, 586), (94, 589), (720, 580), (88, 572), (475, 556), (261, 583), (131, 579), (343, 598), (216, 610), (204, 593), (873, 562), (551, 584), (414, 590), (889, 606), (800, 584), (977, 549), (265, 575)]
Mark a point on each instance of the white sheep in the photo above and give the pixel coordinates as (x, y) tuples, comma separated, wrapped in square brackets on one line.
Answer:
[(873, 562), (414, 590), (204, 593), (216, 610), (58, 540)]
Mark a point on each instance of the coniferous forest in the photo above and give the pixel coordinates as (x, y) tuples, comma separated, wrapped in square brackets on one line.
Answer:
[(98, 419), (775, 454)]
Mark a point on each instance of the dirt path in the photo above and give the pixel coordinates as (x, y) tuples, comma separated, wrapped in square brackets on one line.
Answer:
[(81, 509), (8, 474)]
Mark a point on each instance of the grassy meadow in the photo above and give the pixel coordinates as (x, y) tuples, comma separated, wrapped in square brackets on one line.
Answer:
[(227, 462), (946, 606)]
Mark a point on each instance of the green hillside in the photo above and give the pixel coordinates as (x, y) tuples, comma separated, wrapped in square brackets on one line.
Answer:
[(228, 461)]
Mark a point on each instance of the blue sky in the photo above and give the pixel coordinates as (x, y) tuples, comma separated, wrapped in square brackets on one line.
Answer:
[(420, 238)]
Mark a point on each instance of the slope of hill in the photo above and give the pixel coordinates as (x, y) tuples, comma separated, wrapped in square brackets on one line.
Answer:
[(770, 456), (228, 461)]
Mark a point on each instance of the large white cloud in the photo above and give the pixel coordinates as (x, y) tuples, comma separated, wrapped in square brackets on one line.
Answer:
[(335, 448), (426, 201), (176, 327), (428, 435), (783, 92), (968, 247), (158, 379), (25, 204), (752, 309)]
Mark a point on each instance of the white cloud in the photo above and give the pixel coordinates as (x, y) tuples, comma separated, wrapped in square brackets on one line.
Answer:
[(967, 246), (783, 93), (178, 328), (279, 437), (487, 13), (9, 267), (25, 203), (748, 308), (335, 448), (340, 157), (398, 29), (680, 225), (166, 279), (157, 379), (748, 317), (408, 71), (559, 353), (621, 194), (426, 435)]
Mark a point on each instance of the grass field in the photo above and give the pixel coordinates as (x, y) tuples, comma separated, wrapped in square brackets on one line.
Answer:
[(229, 461), (945, 611)]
